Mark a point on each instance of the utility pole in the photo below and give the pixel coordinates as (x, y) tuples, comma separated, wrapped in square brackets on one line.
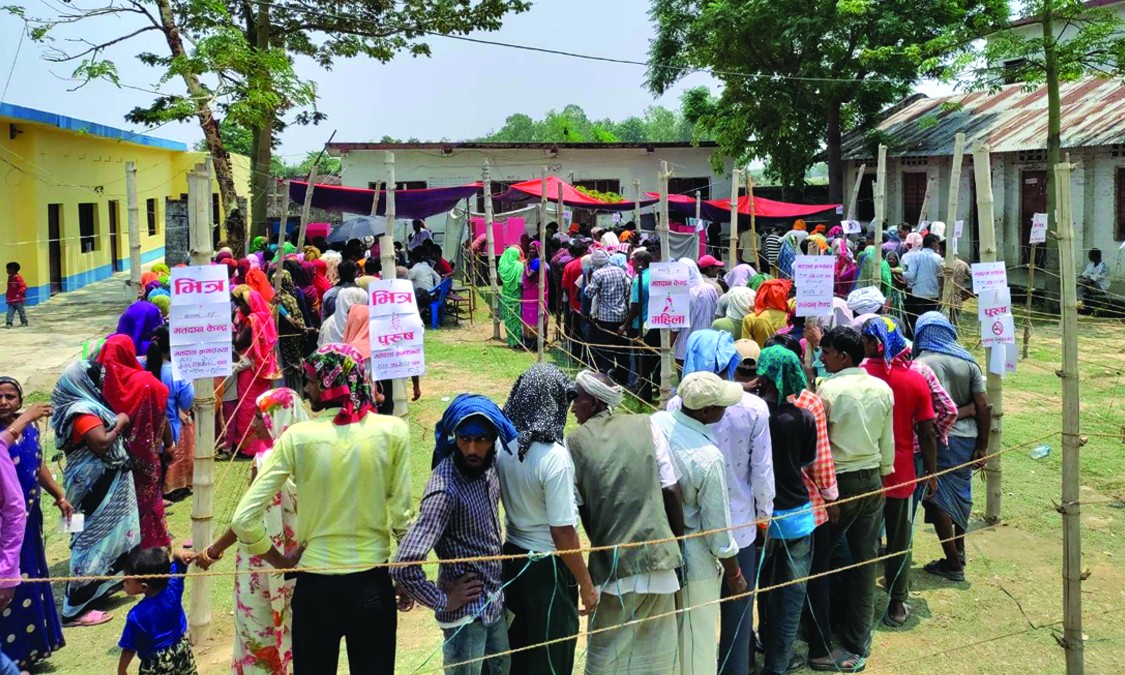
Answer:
[(490, 242)]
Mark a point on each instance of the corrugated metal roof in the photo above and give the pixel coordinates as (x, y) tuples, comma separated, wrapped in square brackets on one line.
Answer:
[(1010, 120)]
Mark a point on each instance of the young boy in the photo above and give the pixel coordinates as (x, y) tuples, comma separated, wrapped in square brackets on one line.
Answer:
[(17, 294), (156, 628)]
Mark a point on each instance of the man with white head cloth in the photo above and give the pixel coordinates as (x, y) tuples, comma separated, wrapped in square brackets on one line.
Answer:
[(627, 492)]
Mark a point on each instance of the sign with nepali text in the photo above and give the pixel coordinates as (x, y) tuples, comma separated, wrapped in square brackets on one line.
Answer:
[(988, 275), (814, 276), (200, 322), (996, 332), (669, 303), (994, 302), (1038, 228), (397, 349)]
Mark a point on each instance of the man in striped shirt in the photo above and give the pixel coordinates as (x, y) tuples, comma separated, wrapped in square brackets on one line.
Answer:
[(771, 246)]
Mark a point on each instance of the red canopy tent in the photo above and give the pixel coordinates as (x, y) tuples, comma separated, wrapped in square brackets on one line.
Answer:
[(717, 210), (533, 189)]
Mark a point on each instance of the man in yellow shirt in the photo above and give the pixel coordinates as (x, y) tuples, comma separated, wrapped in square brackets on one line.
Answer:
[(353, 484)]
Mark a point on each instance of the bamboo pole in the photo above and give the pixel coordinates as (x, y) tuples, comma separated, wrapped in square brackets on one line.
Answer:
[(735, 175), (490, 242), (542, 263), (753, 217), (281, 223), (665, 256), (985, 203), (203, 483), (923, 213), (877, 224), (1071, 442), (1027, 299), (951, 222), (134, 209), (306, 208), (637, 204), (387, 244), (854, 204)]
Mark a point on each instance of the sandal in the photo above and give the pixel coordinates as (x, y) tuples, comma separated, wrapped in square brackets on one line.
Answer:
[(897, 623), (796, 663), (940, 569), (846, 662), (91, 618)]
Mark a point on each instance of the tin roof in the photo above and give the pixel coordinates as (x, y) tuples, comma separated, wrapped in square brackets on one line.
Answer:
[(11, 111), (1011, 119)]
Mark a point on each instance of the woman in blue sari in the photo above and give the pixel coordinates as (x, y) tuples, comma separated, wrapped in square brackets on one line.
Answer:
[(138, 323), (98, 484), (30, 627)]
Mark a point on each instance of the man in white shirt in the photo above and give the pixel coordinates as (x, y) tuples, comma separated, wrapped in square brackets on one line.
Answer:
[(704, 398), (421, 235), (537, 489), (923, 279), (748, 242), (424, 277), (1095, 278)]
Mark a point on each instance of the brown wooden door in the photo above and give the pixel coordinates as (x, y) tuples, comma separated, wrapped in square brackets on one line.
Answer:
[(54, 246), (913, 194), (1033, 199), (865, 204), (114, 206)]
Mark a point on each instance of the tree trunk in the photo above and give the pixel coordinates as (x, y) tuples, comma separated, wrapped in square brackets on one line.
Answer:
[(1054, 116), (834, 153), (232, 220), (263, 138)]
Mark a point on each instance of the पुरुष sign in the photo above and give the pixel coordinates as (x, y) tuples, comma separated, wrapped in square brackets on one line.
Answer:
[(814, 276), (669, 301), (200, 322), (994, 302), (397, 330)]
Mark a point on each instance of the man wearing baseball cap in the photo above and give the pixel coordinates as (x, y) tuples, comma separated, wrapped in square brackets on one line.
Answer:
[(712, 269), (703, 487)]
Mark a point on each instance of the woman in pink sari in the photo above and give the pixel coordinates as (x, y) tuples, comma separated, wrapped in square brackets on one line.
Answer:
[(254, 341), (529, 307), (846, 267)]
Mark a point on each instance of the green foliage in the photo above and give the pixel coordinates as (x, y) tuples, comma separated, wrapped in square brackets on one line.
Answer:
[(609, 197), (237, 139), (792, 69), (571, 124)]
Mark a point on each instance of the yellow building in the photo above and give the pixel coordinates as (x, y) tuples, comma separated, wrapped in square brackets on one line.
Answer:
[(63, 210)]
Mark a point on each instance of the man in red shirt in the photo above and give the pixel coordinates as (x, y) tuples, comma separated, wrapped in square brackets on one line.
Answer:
[(913, 413), (571, 273), (16, 295)]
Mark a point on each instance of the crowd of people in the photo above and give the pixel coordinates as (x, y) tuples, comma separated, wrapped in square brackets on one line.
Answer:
[(791, 448)]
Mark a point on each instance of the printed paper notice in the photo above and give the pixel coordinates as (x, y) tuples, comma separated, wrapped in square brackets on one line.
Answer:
[(988, 275), (958, 229), (998, 331), (994, 302), (392, 296), (200, 285), (200, 322), (206, 359), (851, 226), (1002, 358), (1038, 228), (814, 276), (669, 303), (397, 331)]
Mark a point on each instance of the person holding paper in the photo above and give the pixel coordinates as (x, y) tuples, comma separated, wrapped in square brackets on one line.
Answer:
[(31, 617)]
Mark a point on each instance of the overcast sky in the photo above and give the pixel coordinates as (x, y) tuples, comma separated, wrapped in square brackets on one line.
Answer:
[(464, 90)]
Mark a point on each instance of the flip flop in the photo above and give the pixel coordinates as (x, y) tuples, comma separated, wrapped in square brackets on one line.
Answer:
[(895, 623), (940, 569), (796, 663), (838, 664), (91, 618)]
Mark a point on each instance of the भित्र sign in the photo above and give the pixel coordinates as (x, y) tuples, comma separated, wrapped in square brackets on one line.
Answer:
[(199, 322), (669, 302), (988, 275), (1038, 229), (814, 276), (397, 330)]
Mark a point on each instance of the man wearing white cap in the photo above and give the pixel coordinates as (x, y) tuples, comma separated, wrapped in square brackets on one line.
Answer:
[(627, 492), (710, 558)]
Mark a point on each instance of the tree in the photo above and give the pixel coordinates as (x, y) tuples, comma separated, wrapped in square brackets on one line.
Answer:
[(797, 75), (237, 139), (1074, 40), (572, 125)]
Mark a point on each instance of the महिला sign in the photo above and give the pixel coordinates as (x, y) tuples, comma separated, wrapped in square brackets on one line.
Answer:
[(669, 302), (814, 276), (200, 322), (397, 331)]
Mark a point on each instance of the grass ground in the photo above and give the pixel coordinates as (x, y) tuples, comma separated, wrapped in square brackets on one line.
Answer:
[(1002, 619)]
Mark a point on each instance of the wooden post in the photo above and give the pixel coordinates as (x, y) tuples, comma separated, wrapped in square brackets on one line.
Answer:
[(1071, 443), (277, 258), (925, 210), (542, 263), (1027, 299), (753, 217), (854, 204), (637, 204), (306, 208), (877, 224), (982, 169), (735, 175), (203, 483), (489, 242), (951, 223), (665, 256), (134, 227)]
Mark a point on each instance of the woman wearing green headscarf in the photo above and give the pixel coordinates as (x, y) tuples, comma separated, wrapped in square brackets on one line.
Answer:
[(258, 244), (510, 269)]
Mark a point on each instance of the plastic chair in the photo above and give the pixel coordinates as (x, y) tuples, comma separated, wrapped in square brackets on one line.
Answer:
[(437, 304)]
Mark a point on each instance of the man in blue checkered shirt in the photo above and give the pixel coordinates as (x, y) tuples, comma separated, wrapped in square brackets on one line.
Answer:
[(609, 289)]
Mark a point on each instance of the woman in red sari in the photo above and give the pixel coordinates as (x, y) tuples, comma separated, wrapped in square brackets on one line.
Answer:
[(132, 390), (254, 341)]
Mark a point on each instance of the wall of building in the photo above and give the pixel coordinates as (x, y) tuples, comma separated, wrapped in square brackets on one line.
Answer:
[(45, 165), (1093, 202)]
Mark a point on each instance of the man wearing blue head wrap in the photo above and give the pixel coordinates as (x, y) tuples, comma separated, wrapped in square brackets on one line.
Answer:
[(459, 518)]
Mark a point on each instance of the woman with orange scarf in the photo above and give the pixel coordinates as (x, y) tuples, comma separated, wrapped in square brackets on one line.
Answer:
[(132, 390), (254, 342), (771, 311)]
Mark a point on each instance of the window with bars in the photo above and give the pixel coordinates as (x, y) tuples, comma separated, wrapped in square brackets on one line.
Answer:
[(913, 194), (88, 226), (150, 214), (689, 186), (400, 185)]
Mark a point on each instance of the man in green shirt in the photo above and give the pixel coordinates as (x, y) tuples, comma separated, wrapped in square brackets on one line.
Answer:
[(861, 433)]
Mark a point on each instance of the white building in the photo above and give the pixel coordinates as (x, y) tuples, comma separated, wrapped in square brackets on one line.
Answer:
[(605, 167), (920, 132)]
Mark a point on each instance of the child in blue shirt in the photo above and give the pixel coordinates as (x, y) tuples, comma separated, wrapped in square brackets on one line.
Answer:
[(156, 628)]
